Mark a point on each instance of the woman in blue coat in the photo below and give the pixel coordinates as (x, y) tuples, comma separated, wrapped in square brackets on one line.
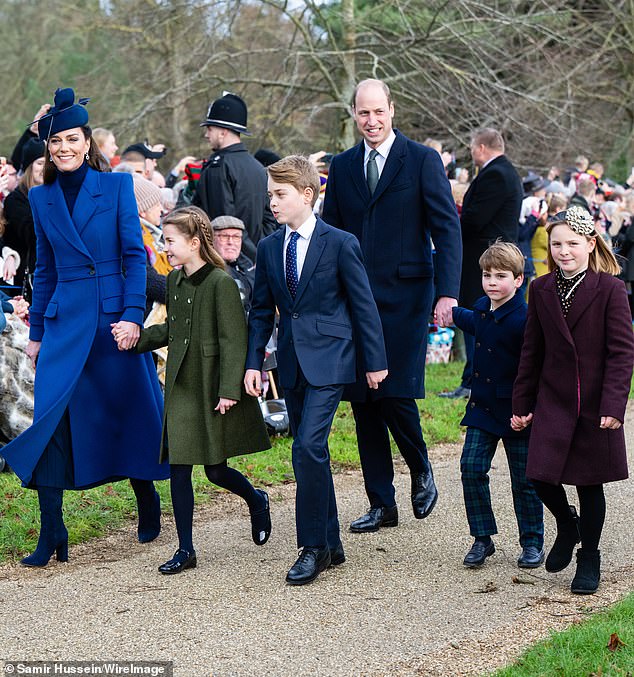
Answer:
[(98, 411)]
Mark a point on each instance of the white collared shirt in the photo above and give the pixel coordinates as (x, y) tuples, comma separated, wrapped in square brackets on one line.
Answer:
[(383, 151), (305, 232)]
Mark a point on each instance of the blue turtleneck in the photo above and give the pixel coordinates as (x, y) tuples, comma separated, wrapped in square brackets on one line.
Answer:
[(70, 183)]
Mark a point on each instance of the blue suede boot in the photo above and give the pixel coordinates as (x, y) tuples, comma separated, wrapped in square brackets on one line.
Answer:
[(53, 535)]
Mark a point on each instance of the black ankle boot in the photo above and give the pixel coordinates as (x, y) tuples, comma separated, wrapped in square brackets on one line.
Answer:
[(568, 536), (588, 576), (53, 535), (149, 506)]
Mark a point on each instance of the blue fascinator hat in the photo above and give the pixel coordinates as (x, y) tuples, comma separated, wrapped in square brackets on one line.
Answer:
[(65, 114)]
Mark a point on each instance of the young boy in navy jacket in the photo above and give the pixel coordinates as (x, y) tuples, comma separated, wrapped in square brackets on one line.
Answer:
[(314, 275), (497, 321)]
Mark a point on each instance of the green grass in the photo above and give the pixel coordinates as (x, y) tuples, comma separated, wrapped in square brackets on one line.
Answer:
[(93, 513), (582, 650)]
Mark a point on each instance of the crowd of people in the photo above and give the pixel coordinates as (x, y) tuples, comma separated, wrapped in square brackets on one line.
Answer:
[(340, 262)]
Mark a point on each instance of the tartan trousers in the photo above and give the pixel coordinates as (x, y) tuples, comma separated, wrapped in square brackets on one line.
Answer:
[(475, 463)]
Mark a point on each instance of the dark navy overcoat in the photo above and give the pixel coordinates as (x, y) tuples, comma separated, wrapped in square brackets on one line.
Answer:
[(411, 204), (91, 272), (498, 343), (573, 371)]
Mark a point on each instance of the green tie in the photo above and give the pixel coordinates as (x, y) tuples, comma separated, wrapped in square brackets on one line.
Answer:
[(372, 171)]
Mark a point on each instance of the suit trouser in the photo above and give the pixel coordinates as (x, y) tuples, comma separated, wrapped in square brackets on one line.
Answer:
[(373, 419), (311, 410), (475, 463)]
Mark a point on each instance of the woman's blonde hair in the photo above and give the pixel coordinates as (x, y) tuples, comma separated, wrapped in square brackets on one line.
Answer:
[(602, 259), (193, 222)]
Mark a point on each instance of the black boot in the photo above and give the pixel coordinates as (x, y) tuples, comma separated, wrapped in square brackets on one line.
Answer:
[(53, 535), (586, 580), (568, 536), (149, 506)]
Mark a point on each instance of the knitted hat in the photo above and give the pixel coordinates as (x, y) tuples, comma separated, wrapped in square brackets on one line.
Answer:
[(65, 114), (222, 222), (32, 150), (147, 194)]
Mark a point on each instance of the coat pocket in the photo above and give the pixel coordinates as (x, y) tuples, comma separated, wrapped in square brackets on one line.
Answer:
[(51, 310), (113, 304), (210, 348), (415, 270), (334, 329)]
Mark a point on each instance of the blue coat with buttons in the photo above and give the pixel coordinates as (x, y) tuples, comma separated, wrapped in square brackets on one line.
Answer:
[(113, 398), (499, 335)]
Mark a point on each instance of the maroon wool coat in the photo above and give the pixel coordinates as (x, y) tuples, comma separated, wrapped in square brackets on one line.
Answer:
[(572, 371)]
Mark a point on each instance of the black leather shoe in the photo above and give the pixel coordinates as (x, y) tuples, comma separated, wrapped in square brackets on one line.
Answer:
[(261, 521), (337, 555), (310, 563), (182, 560), (424, 494), (456, 394), (478, 553), (530, 558), (374, 519)]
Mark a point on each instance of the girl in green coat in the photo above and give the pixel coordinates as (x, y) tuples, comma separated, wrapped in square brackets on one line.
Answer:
[(208, 418)]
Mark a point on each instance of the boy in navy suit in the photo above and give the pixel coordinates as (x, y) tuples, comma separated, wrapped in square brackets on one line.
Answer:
[(497, 322), (313, 273)]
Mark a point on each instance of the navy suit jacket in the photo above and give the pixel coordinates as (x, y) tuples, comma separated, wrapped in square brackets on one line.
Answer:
[(499, 336), (412, 203), (332, 306)]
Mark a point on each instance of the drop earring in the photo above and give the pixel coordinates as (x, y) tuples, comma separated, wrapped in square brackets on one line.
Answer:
[(86, 156), (50, 157)]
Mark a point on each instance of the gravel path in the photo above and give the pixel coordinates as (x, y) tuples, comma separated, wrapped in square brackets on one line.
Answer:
[(402, 604)]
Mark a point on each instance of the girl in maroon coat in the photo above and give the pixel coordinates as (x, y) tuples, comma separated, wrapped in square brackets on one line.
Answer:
[(572, 385)]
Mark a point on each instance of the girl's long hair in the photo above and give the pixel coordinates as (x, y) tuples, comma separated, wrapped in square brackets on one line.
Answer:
[(193, 222), (602, 259), (95, 159)]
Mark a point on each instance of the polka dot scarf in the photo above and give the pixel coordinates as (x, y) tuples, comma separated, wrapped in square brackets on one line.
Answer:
[(567, 288)]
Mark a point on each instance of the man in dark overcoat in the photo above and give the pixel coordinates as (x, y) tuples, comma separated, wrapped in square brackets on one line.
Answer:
[(393, 194), (233, 182), (490, 210)]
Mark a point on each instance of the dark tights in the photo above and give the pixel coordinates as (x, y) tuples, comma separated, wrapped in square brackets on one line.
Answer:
[(183, 495), (591, 509)]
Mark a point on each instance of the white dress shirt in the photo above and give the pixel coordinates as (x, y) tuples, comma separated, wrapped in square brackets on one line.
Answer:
[(305, 232), (383, 151)]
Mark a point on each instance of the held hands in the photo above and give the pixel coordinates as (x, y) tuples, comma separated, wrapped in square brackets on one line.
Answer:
[(253, 382), (375, 377), (224, 405), (443, 316), (182, 163), (520, 422), (10, 268), (20, 307), (126, 334)]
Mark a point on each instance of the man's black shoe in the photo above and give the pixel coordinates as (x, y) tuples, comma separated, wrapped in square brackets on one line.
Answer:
[(337, 555), (424, 494), (374, 519), (478, 553), (310, 563)]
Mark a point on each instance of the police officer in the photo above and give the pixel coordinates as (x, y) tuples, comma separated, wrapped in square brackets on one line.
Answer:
[(233, 182)]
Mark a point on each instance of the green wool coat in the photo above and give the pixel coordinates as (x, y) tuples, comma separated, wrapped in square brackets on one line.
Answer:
[(206, 334)]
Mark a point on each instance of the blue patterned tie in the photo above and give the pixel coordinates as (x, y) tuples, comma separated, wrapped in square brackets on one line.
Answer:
[(292, 278)]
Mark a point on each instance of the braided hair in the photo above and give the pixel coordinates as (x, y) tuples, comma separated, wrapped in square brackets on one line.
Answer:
[(193, 222)]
